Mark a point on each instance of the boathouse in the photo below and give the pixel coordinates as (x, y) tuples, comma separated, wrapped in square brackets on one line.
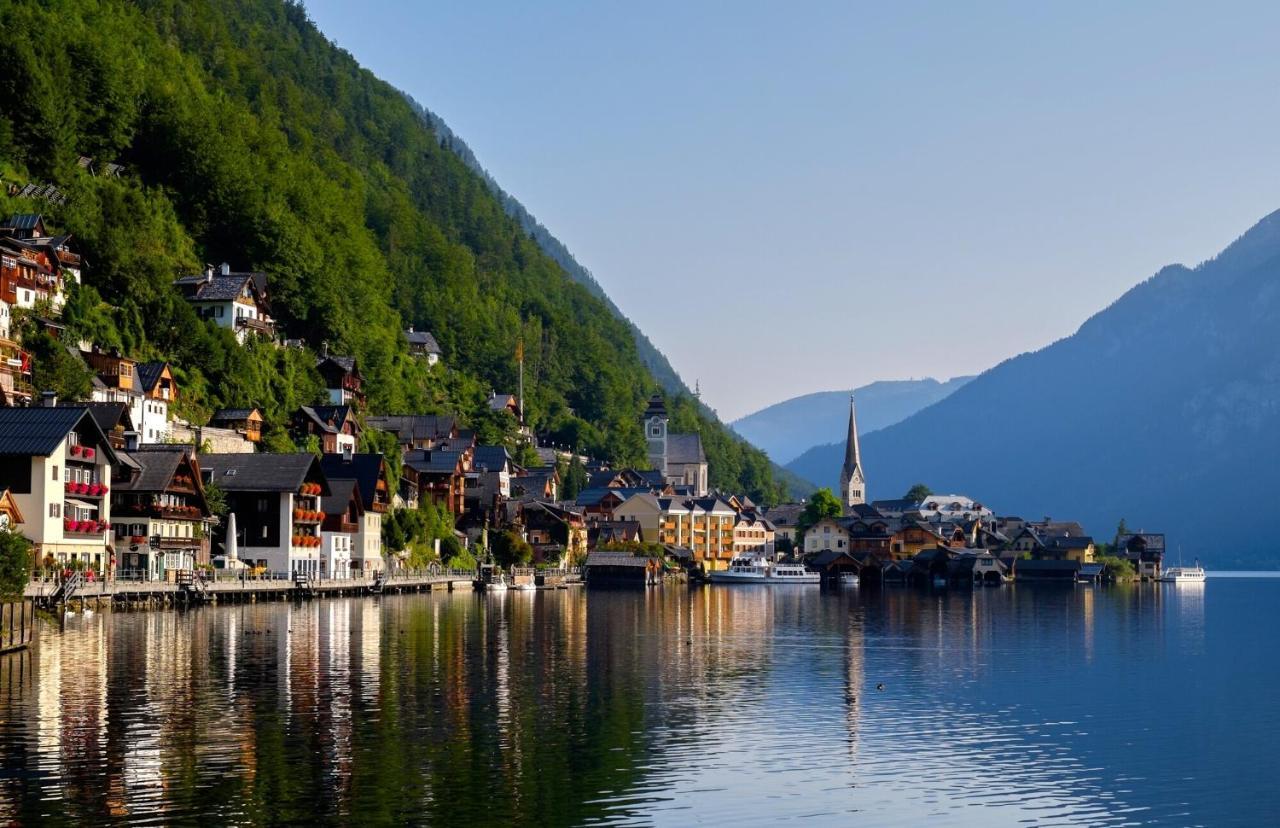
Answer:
[(833, 564), (1064, 571), (620, 569)]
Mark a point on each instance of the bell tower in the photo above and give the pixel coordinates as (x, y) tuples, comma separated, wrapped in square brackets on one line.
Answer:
[(655, 422), (853, 482)]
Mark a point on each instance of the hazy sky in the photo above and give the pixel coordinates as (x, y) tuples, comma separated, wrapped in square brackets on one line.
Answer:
[(790, 197)]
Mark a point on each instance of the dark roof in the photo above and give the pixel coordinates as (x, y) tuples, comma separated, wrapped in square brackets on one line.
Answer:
[(829, 556), (1070, 542), (339, 497), (313, 414), (602, 558), (148, 373), (260, 472), (685, 448), (345, 363), (656, 407), (362, 468), (424, 340), (156, 467), (231, 414), (432, 461), (23, 221), (901, 504), (784, 514), (37, 431), (216, 288), (490, 458), (108, 415), (414, 427)]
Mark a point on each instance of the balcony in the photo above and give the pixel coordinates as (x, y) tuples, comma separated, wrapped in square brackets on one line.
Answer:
[(85, 528), (85, 489), (307, 516)]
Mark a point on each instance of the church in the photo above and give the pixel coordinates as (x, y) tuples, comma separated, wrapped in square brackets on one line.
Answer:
[(853, 483), (679, 457)]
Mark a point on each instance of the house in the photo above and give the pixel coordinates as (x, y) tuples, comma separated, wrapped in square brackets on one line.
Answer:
[(10, 514), (35, 266), (56, 463), (276, 499), (975, 567), (604, 532), (415, 431), (784, 517), (753, 536), (15, 367), (703, 525), (1049, 540), (505, 402), (160, 513), (439, 476), (875, 536), (115, 421), (334, 427), (1145, 550), (235, 301), (599, 504), (492, 469), (158, 390), (246, 421), (423, 344), (369, 472), (540, 484), (828, 533), (342, 379), (834, 565), (557, 535), (679, 457), (605, 569), (343, 514)]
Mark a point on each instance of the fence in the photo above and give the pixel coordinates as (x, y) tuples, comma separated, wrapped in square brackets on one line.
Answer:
[(17, 624)]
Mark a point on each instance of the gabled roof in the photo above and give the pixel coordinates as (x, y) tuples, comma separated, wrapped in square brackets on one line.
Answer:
[(23, 221), (312, 413), (261, 472), (432, 461), (148, 373), (491, 458), (423, 340), (340, 495), (226, 415), (38, 431), (365, 469), (346, 364), (784, 514), (156, 466), (414, 427), (685, 448), (602, 558), (109, 415)]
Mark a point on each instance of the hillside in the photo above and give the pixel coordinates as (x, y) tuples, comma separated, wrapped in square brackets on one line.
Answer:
[(247, 137), (785, 430), (1163, 409)]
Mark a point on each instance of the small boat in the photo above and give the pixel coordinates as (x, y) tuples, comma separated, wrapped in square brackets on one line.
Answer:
[(1183, 575), (490, 579), (763, 571)]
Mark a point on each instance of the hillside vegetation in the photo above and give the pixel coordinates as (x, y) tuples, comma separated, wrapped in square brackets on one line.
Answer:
[(247, 137)]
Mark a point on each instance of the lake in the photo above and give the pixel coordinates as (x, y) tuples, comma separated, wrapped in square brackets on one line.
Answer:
[(1014, 705)]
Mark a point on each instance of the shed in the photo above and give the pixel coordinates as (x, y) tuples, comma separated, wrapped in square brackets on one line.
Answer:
[(620, 569)]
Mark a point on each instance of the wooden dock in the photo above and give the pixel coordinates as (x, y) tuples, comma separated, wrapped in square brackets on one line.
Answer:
[(17, 625)]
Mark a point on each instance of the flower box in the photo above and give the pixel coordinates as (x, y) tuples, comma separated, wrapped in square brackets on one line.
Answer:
[(70, 487), (76, 450), (88, 453)]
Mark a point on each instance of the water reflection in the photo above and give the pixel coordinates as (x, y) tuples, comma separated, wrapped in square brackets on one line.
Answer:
[(1002, 706)]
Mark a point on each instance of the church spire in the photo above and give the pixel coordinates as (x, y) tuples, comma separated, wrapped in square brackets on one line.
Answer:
[(853, 484)]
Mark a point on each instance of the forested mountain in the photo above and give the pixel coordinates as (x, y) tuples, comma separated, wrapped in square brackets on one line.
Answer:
[(787, 429), (248, 137), (1163, 409)]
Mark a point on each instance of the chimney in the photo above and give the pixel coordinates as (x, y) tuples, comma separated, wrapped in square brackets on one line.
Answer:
[(208, 272), (131, 441), (49, 399), (226, 269), (410, 329)]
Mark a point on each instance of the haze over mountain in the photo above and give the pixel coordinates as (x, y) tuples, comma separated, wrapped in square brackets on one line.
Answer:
[(786, 429), (1163, 409)]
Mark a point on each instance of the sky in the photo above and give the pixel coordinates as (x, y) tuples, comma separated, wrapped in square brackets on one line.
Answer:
[(829, 194)]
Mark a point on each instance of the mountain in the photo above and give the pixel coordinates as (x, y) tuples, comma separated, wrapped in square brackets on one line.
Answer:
[(1163, 409), (247, 137), (787, 429)]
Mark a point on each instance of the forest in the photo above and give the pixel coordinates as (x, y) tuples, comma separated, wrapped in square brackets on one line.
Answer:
[(247, 137)]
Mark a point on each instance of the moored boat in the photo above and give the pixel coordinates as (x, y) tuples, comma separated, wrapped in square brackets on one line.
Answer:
[(763, 571), (1183, 575)]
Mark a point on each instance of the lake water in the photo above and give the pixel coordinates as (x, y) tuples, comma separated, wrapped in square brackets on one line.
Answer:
[(1016, 705)]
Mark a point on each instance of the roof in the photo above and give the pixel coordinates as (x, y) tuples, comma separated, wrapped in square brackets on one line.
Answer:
[(156, 467), (685, 448), (260, 472), (432, 461), (23, 221), (233, 414), (414, 427), (1041, 565), (39, 430), (602, 558), (490, 458), (362, 468), (216, 288), (319, 414), (852, 459), (784, 514), (423, 340), (339, 497), (346, 363), (108, 415), (656, 407), (829, 556), (148, 373), (498, 402)]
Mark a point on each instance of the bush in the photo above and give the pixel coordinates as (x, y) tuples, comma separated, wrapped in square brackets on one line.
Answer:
[(15, 564), (1118, 569)]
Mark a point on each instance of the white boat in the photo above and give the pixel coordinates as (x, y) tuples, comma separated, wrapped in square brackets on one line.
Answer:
[(1183, 575), (763, 571), (527, 586)]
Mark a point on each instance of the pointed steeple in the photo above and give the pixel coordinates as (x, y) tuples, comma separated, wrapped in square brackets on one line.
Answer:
[(853, 484)]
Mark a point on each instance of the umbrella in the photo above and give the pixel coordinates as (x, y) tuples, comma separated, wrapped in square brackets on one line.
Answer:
[(231, 546)]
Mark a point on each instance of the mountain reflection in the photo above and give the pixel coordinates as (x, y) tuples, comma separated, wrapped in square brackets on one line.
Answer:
[(744, 705)]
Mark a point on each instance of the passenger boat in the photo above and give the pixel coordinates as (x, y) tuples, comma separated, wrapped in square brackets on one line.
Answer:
[(1183, 575), (763, 571)]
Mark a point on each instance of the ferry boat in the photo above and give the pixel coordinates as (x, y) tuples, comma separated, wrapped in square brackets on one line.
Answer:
[(762, 571), (1183, 575)]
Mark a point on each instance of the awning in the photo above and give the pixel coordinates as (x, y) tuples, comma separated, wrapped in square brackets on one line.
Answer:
[(80, 503)]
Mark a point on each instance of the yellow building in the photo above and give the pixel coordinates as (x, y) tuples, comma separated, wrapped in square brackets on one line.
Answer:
[(703, 525)]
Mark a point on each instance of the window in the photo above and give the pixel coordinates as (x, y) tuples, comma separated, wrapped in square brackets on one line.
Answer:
[(55, 510), (54, 476), (264, 532)]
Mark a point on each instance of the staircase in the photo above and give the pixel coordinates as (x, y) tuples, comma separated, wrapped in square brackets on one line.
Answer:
[(303, 586), (193, 589), (65, 591)]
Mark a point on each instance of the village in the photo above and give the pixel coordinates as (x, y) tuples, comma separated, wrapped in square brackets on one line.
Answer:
[(116, 488)]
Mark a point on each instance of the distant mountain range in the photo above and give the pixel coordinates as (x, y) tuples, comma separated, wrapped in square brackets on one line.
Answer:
[(1163, 409), (787, 429)]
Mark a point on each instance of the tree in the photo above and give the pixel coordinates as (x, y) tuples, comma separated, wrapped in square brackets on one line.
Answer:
[(216, 498), (509, 549), (575, 479), (54, 369), (1122, 529), (918, 493), (822, 505), (15, 563)]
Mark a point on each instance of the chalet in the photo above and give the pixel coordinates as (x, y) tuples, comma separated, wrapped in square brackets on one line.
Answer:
[(35, 266), (56, 463), (161, 516), (415, 431), (334, 426), (828, 533), (342, 379), (604, 532), (492, 469), (505, 402), (1049, 540), (245, 421), (600, 504), (115, 421), (276, 501), (369, 472), (423, 344), (157, 391), (540, 484), (10, 514), (440, 476), (875, 536), (235, 301), (343, 514), (604, 569), (1145, 550), (557, 535)]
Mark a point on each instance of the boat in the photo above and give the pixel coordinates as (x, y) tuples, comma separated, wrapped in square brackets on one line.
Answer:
[(746, 570), (490, 579), (1183, 575), (527, 586)]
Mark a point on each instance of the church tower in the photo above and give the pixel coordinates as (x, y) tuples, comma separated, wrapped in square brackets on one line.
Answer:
[(853, 484), (655, 433)]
